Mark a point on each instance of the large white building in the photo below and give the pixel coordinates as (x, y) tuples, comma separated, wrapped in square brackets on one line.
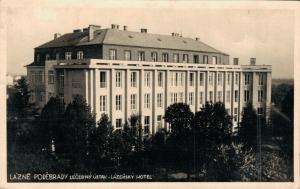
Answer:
[(121, 73)]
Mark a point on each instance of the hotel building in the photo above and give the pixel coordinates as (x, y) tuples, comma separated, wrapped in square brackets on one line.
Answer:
[(122, 73)]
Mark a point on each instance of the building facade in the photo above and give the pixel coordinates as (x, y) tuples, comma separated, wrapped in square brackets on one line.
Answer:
[(123, 73)]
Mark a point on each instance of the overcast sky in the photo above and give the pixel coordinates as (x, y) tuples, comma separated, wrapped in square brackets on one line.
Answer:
[(266, 34)]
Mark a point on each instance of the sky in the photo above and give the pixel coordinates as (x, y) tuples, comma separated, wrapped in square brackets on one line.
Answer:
[(267, 34)]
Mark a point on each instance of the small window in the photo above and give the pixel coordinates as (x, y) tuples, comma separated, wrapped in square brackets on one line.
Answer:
[(214, 60), (57, 56), (47, 57), (50, 77), (236, 96), (147, 100), (176, 58), (201, 78), (165, 57), (260, 95), (160, 79), (119, 102), (205, 59), (68, 55), (154, 56), (159, 121), (228, 96), (133, 79), (191, 98), (103, 101), (185, 58), (102, 79), (127, 55), (159, 100), (118, 79), (220, 78), (133, 101), (37, 57), (141, 56), (112, 54), (211, 78), (211, 96), (192, 79), (147, 78), (260, 79), (196, 59), (118, 123), (80, 55), (219, 96), (246, 95), (201, 98), (146, 125), (247, 79)]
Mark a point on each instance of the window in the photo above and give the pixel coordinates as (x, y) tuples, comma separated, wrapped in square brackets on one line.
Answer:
[(118, 123), (176, 58), (236, 96), (147, 78), (260, 111), (180, 97), (236, 78), (68, 55), (154, 56), (40, 77), (57, 56), (112, 54), (133, 101), (176, 78), (191, 98), (61, 80), (119, 102), (192, 79), (246, 96), (181, 79), (228, 78), (50, 77), (165, 57), (260, 95), (173, 98), (47, 57), (146, 125), (247, 79), (80, 55), (160, 79), (220, 96), (196, 59), (127, 55), (235, 111), (118, 79), (147, 100), (211, 78), (141, 56), (185, 58), (201, 98), (260, 79), (214, 60), (211, 96), (227, 96), (201, 79), (205, 59), (133, 79), (41, 97), (159, 121), (102, 79), (103, 103), (220, 75), (76, 83), (159, 100), (37, 57)]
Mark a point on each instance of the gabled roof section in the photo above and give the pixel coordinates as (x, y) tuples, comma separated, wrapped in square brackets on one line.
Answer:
[(130, 38)]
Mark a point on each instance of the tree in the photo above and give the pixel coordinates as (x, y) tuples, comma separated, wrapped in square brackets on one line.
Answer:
[(76, 130), (19, 105), (287, 104), (248, 127), (51, 119), (180, 117)]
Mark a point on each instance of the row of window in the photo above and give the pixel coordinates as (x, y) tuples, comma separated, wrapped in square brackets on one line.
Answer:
[(164, 58), (68, 56)]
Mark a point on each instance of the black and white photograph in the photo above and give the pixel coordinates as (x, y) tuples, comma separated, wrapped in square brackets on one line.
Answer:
[(148, 92)]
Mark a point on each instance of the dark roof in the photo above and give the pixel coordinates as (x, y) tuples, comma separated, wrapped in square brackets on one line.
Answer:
[(130, 38), (36, 64)]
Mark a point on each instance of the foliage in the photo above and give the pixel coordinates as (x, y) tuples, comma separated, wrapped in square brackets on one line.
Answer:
[(287, 104)]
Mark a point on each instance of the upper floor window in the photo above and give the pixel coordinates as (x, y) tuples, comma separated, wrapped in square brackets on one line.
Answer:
[(112, 54), (211, 78), (185, 58), (192, 79), (176, 58), (118, 102), (214, 60), (118, 79), (103, 102), (211, 96), (228, 78), (102, 79), (147, 100), (201, 98), (160, 79), (133, 79), (57, 56), (260, 79), (68, 55), (147, 78), (118, 123), (220, 78), (141, 56), (127, 55), (47, 57), (37, 57), (219, 96), (159, 100), (246, 95), (196, 58), (236, 96), (227, 96), (80, 55), (50, 77), (260, 95), (247, 79), (191, 98), (201, 78), (236, 78), (133, 101), (147, 125), (154, 56), (165, 57), (205, 59)]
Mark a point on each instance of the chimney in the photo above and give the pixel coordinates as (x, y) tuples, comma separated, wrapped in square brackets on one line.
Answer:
[(125, 28), (252, 61), (76, 31), (235, 61), (143, 30), (174, 34), (114, 26), (91, 30), (197, 39), (57, 35)]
